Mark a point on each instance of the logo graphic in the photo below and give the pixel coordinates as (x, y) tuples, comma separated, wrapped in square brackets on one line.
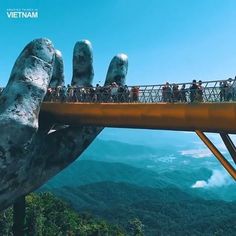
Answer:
[(22, 13)]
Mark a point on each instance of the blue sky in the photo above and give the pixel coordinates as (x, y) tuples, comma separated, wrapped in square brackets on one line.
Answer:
[(166, 40)]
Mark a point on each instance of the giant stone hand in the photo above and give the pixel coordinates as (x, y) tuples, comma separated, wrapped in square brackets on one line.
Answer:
[(29, 153)]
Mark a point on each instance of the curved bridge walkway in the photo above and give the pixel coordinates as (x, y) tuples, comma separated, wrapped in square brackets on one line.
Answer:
[(199, 107)]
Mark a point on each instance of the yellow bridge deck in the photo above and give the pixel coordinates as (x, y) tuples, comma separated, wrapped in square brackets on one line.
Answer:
[(207, 117)]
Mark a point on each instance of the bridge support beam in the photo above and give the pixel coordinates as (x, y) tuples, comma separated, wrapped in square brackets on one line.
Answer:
[(229, 145), (217, 154)]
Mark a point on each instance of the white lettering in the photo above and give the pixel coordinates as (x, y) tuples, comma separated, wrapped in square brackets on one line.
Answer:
[(35, 14), (22, 14), (8, 14)]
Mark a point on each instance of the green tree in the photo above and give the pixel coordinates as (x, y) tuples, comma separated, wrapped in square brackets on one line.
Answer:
[(6, 222), (47, 215), (136, 227)]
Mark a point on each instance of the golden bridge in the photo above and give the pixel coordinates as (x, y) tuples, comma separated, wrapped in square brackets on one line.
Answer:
[(214, 110)]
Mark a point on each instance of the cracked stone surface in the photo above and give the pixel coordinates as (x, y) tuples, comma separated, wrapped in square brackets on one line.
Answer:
[(82, 64), (29, 156), (58, 78), (117, 70)]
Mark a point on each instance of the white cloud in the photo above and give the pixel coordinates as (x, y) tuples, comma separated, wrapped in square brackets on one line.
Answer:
[(197, 153), (167, 159), (217, 179), (150, 166), (200, 184), (185, 162), (201, 152)]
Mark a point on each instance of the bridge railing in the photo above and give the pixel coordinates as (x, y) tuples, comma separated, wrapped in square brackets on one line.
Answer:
[(209, 91)]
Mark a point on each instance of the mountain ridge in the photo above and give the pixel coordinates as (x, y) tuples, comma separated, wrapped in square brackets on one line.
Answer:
[(120, 202)]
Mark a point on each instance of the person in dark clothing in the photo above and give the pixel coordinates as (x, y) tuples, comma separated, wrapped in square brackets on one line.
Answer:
[(121, 94), (176, 93), (229, 93), (183, 93), (193, 91), (166, 93), (126, 94), (199, 94), (98, 93), (223, 90), (63, 93)]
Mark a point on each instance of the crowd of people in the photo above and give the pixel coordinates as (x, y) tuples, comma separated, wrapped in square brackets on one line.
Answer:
[(115, 93), (228, 90), (172, 93), (224, 90), (108, 93)]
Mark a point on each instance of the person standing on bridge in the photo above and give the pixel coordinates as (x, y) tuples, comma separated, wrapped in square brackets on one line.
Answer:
[(234, 89), (135, 94), (229, 89), (166, 93), (176, 93), (63, 93), (193, 91), (48, 96), (114, 91), (183, 92), (223, 90), (199, 92), (98, 93), (126, 94)]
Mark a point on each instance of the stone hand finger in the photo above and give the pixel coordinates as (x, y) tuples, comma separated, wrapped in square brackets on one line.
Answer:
[(58, 78), (82, 64), (19, 109), (21, 99), (83, 72), (117, 70)]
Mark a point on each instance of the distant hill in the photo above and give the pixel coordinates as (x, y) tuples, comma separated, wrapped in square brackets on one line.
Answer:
[(166, 211), (121, 182), (109, 194), (142, 155), (113, 150), (84, 172), (136, 155)]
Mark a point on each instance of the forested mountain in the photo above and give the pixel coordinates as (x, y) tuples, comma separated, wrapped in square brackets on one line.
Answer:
[(153, 189), (165, 211), (47, 215)]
